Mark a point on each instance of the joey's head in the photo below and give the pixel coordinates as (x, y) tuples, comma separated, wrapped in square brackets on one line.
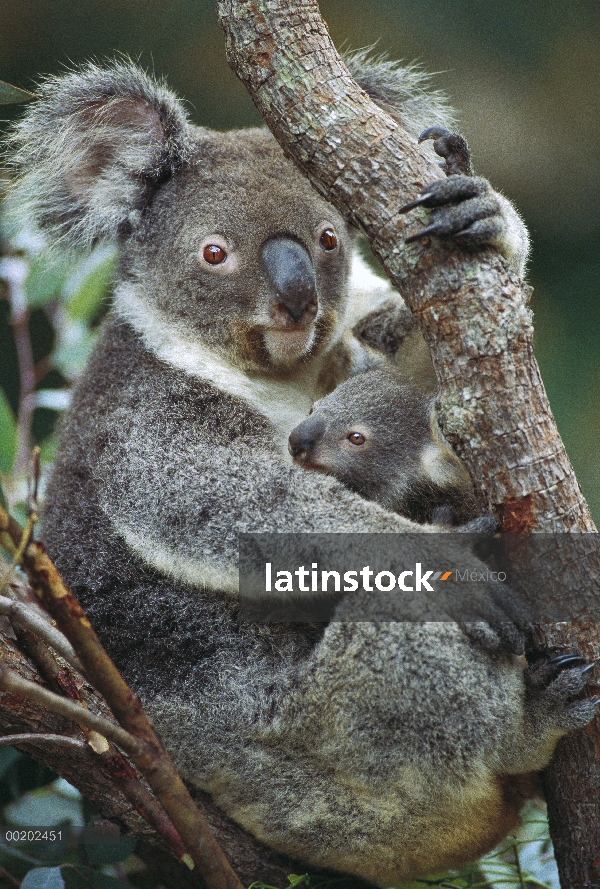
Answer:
[(377, 434), (224, 245)]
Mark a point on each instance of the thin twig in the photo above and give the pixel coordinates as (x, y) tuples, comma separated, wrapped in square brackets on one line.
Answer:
[(12, 682), (19, 613), (44, 737)]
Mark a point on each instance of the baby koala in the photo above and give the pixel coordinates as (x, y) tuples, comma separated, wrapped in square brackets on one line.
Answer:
[(378, 434)]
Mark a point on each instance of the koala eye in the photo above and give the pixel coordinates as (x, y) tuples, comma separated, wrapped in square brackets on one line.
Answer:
[(328, 239), (213, 254), (356, 438)]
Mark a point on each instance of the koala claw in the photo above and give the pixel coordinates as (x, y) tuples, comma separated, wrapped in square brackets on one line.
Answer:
[(452, 147), (556, 683), (562, 660), (464, 208)]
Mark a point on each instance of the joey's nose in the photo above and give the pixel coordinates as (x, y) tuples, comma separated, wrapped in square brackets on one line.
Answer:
[(304, 438), (290, 270)]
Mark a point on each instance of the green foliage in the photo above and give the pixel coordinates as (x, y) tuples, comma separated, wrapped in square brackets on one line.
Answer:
[(33, 797), (63, 296), (43, 878), (3, 500), (11, 95), (86, 288), (8, 435)]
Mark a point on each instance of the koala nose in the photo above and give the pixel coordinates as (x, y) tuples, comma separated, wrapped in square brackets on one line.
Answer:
[(290, 270), (305, 437)]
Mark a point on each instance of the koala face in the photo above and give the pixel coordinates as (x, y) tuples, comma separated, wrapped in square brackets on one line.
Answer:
[(376, 434), (223, 243), (239, 229), (370, 433)]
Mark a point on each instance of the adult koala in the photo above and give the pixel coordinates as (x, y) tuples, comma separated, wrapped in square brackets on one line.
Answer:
[(380, 750)]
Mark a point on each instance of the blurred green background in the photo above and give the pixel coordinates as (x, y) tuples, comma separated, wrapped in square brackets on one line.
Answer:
[(524, 76)]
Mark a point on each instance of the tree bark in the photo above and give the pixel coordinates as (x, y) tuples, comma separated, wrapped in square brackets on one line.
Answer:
[(475, 317)]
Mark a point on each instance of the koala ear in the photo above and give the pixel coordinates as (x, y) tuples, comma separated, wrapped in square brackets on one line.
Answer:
[(90, 152), (403, 91)]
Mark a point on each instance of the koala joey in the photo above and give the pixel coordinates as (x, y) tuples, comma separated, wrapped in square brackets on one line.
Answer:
[(378, 434), (380, 750)]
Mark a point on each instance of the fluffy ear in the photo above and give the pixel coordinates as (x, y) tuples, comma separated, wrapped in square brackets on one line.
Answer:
[(89, 153), (403, 91)]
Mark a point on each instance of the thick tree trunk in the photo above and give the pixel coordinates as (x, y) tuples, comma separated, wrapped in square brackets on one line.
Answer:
[(474, 314)]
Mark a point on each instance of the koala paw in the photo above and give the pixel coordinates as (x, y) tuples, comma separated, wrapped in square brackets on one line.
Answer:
[(464, 208), (556, 684), (452, 147)]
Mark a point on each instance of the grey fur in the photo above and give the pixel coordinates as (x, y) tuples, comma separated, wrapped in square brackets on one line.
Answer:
[(402, 463), (378, 749), (403, 90)]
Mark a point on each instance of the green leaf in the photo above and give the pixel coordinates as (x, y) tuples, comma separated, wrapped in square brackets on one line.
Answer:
[(48, 449), (8, 756), (3, 500), (72, 355), (105, 881), (15, 862), (110, 853), (10, 95), (19, 512), (8, 435), (45, 806), (46, 279), (43, 878), (90, 284)]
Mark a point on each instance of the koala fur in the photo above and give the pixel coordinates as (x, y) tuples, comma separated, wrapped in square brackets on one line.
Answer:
[(378, 434), (377, 749)]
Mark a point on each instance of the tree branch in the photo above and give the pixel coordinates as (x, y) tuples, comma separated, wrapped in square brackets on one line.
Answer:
[(26, 617), (475, 317)]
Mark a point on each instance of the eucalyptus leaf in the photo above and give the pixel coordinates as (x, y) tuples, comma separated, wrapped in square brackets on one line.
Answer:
[(110, 853), (16, 862), (43, 878), (8, 757), (105, 881), (48, 449), (11, 95), (72, 355), (8, 435), (46, 278), (89, 284), (44, 806)]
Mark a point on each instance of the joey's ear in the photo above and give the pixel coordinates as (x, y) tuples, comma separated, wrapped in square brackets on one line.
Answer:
[(89, 153), (403, 91)]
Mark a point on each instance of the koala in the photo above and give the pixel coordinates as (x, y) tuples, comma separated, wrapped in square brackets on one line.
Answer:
[(382, 750), (378, 434)]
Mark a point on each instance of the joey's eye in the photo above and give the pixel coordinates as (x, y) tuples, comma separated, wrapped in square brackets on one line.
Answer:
[(328, 239), (356, 438), (213, 254)]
